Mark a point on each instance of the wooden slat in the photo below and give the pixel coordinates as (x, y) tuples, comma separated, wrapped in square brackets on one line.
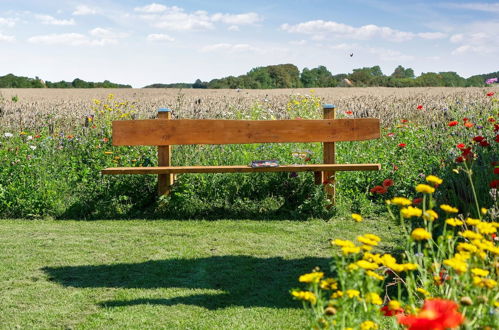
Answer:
[(241, 169), (184, 131)]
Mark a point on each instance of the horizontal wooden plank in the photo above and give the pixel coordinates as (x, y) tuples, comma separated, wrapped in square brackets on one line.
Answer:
[(241, 169), (157, 132)]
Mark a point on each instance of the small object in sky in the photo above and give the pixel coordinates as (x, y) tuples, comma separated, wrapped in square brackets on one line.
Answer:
[(351, 54)]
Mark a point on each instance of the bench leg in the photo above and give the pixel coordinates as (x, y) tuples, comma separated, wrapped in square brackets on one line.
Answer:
[(165, 182)]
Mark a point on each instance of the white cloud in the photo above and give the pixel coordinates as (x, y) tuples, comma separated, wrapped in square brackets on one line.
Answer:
[(159, 37), (238, 19), (98, 37), (177, 19), (4, 37), (49, 20), (231, 48), (84, 10), (152, 8), (9, 22), (480, 37), (432, 35), (478, 6), (321, 30)]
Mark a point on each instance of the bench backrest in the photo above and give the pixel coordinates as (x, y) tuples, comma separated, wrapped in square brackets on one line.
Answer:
[(205, 131)]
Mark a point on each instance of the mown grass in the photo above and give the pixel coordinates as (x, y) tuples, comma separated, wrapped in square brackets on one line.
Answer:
[(163, 274)]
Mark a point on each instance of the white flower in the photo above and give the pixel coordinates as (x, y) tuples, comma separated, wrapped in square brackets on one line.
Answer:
[(8, 135), (29, 137), (32, 147)]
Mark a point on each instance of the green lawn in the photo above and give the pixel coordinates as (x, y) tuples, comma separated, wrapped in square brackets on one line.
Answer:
[(138, 274)]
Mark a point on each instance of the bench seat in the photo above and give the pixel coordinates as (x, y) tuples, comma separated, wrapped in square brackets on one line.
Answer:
[(241, 169)]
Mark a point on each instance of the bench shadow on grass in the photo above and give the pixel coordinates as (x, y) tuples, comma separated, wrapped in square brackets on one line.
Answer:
[(240, 280)]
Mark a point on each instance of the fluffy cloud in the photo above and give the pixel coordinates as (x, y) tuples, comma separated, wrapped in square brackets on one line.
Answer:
[(158, 37), (177, 19), (9, 22), (320, 30), (96, 37), (84, 10), (4, 37), (478, 38), (49, 20)]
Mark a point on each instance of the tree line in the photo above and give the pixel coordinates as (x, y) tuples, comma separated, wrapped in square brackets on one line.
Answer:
[(12, 81), (284, 76)]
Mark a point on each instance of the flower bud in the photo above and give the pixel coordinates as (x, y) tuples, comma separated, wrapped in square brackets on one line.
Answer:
[(466, 301)]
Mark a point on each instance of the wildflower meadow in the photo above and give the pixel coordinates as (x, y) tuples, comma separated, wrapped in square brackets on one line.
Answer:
[(413, 245)]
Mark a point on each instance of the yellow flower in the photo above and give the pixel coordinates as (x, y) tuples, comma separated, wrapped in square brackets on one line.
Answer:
[(372, 257), (453, 222), (394, 305), (400, 201), (342, 243), (467, 247), (470, 234), (372, 274), (483, 210), (305, 295), (430, 215), (357, 217), (108, 152), (409, 266), (329, 284), (366, 247), (448, 208), (352, 293), (350, 250), (366, 265), (425, 189), (313, 277), (420, 234), (484, 282), (434, 180), (409, 212), (373, 237), (485, 228), (373, 298), (365, 240), (337, 294), (368, 325), (472, 222), (423, 291), (457, 264), (480, 272), (352, 267)]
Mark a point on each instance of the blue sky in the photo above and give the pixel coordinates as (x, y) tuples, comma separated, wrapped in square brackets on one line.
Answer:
[(144, 42)]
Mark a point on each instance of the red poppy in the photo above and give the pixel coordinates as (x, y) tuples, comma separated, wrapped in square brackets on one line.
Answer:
[(496, 127), (484, 143), (417, 201), (404, 121), (387, 311), (387, 183), (37, 136), (478, 138), (468, 124), (461, 146), (420, 107), (349, 112), (379, 190), (490, 94), (390, 134), (436, 314), (491, 120), (494, 184), (497, 138), (402, 145), (70, 136), (453, 123), (465, 119), (460, 159), (496, 170), (105, 140)]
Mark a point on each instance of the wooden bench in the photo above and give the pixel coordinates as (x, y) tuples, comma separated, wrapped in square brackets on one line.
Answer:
[(164, 132)]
